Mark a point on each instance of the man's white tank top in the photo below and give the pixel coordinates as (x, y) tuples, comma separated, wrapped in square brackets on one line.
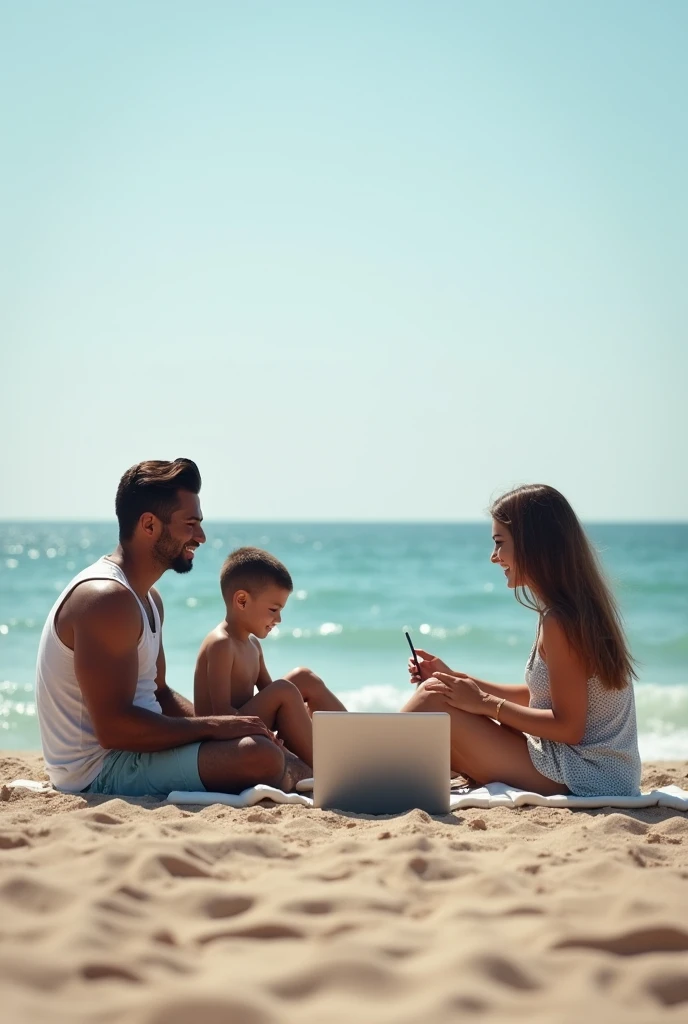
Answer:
[(73, 756)]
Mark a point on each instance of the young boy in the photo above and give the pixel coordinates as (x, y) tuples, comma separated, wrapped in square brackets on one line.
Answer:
[(230, 666)]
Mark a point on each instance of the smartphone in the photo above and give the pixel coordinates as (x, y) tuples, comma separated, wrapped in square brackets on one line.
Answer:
[(413, 652)]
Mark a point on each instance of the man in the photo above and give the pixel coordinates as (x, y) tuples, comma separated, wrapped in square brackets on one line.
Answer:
[(109, 722)]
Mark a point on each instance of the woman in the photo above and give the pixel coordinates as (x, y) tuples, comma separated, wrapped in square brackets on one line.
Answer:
[(572, 727)]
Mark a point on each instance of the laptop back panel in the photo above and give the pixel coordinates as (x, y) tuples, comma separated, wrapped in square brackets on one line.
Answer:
[(381, 763)]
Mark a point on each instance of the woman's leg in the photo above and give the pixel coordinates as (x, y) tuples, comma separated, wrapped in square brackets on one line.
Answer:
[(315, 694), (485, 750)]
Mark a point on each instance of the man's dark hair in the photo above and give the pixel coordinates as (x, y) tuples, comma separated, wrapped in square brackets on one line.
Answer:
[(252, 569), (152, 487)]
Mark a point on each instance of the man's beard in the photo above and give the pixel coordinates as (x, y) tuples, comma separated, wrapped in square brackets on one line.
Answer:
[(167, 553)]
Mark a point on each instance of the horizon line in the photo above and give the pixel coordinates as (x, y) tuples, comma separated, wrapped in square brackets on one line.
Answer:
[(342, 522)]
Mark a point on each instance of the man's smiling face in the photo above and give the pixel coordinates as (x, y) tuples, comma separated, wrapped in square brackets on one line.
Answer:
[(176, 546)]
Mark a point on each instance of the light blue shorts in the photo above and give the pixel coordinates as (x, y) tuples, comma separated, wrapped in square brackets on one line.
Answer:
[(127, 774)]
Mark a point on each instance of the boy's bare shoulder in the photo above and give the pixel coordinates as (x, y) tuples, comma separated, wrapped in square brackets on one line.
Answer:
[(217, 639), (256, 643)]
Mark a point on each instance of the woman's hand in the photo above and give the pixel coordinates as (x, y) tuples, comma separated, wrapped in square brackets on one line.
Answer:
[(429, 666), (460, 692)]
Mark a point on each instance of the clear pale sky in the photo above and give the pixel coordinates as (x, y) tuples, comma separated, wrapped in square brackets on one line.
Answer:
[(358, 260)]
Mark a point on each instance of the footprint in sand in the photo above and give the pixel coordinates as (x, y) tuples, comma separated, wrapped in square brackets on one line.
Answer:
[(633, 943), (227, 906), (101, 972), (270, 930), (36, 897), (178, 867), (670, 989), (345, 975), (208, 1010), (13, 842), (507, 973)]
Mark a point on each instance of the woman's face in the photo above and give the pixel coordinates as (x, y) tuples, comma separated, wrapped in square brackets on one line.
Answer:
[(503, 552)]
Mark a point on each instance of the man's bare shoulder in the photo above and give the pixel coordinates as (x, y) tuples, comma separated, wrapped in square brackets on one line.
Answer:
[(96, 608), (95, 598)]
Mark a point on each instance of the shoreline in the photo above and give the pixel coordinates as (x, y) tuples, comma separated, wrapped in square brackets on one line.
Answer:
[(132, 909)]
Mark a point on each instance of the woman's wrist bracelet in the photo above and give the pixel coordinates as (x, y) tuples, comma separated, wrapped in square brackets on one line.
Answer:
[(498, 708)]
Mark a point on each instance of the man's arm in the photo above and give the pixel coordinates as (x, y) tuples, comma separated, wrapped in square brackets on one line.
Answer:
[(171, 702), (107, 627)]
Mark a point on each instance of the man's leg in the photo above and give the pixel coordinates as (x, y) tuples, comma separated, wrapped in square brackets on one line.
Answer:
[(315, 694), (229, 766), (282, 709)]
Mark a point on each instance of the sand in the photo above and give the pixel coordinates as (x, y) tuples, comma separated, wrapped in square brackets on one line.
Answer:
[(136, 911)]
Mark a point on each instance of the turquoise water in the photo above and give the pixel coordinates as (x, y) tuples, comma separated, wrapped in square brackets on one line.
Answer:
[(357, 586)]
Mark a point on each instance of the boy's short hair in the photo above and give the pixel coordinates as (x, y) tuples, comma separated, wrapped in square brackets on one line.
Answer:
[(252, 569)]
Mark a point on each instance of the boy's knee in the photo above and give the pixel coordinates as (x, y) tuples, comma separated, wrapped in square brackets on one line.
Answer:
[(287, 689), (308, 673), (305, 677)]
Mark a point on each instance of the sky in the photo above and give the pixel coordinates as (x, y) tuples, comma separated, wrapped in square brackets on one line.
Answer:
[(357, 260)]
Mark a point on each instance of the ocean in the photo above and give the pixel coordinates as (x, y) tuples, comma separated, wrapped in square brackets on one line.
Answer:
[(356, 588)]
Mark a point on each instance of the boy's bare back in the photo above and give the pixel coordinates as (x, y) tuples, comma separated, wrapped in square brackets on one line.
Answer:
[(227, 671)]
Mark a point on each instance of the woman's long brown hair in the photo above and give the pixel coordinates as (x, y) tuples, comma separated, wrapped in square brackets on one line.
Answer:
[(563, 574)]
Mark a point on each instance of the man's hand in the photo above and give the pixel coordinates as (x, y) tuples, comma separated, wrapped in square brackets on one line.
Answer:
[(429, 666), (235, 727)]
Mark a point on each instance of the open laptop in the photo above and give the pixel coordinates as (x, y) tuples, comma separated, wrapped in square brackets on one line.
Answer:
[(381, 763)]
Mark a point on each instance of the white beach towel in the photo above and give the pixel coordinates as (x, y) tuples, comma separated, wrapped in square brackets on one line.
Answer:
[(35, 787), (496, 794)]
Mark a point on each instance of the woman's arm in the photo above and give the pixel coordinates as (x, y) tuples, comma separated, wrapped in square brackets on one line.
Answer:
[(568, 684), (430, 665), (564, 723), (515, 693)]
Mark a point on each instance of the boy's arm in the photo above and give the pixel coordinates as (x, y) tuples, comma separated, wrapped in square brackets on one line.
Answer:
[(263, 679), (220, 661)]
